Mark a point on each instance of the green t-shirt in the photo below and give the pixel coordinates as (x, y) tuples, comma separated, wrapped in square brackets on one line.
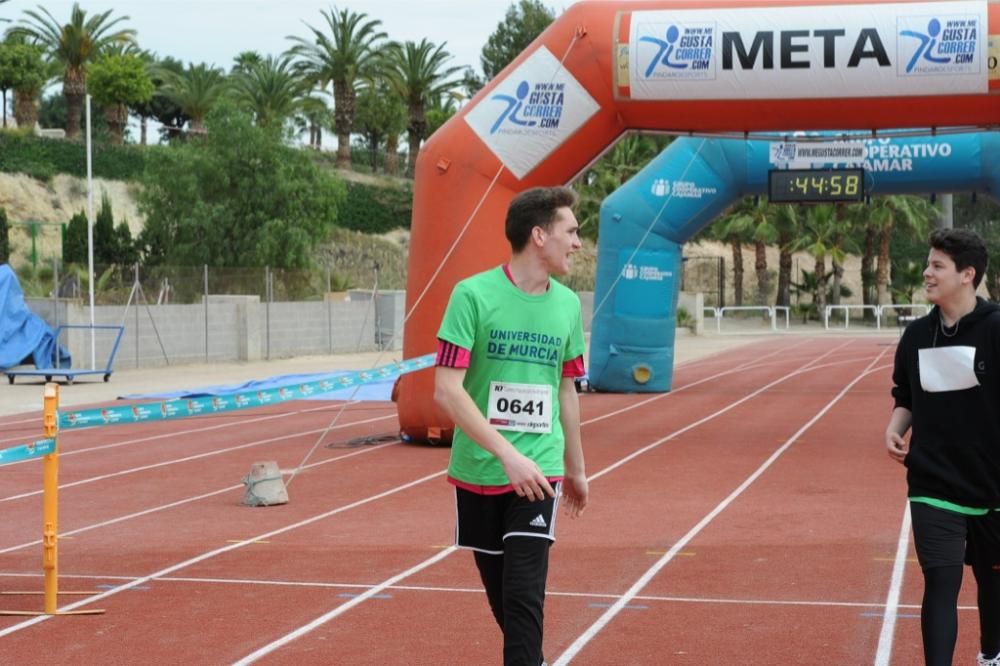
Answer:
[(518, 344)]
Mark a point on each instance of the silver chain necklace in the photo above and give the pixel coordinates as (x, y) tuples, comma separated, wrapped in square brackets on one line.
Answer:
[(944, 328)]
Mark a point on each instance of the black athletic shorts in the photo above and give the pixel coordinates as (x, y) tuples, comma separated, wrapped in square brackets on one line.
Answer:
[(945, 538), (484, 521)]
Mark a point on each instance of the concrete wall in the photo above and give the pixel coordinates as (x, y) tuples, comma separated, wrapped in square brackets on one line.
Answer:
[(239, 328)]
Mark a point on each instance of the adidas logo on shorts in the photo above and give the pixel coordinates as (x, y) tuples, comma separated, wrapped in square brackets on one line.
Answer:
[(538, 521)]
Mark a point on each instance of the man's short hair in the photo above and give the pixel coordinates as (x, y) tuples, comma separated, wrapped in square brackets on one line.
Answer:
[(965, 247), (534, 208)]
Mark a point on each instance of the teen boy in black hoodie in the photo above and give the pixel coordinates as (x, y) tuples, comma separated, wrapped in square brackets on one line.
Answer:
[(947, 387)]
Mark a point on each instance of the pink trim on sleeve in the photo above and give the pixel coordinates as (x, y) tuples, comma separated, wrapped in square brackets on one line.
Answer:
[(452, 356), (574, 368)]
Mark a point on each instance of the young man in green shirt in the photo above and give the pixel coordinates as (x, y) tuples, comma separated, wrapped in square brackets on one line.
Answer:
[(509, 349)]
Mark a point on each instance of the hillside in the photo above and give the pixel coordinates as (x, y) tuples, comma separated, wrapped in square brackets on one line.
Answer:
[(350, 253), (29, 200)]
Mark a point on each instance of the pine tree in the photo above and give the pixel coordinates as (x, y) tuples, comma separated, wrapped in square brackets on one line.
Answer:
[(4, 238), (105, 245), (75, 240)]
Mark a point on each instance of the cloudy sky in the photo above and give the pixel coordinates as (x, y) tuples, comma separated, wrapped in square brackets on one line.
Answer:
[(214, 31)]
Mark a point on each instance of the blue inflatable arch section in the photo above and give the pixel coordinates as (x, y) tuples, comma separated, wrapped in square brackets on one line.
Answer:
[(645, 223)]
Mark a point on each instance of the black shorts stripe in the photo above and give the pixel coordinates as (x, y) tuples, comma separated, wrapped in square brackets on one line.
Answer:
[(482, 522)]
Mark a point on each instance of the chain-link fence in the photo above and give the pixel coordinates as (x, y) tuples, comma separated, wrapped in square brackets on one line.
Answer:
[(177, 314)]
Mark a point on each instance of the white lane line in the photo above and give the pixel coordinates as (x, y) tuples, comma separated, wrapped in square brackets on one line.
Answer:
[(301, 631), (884, 651), (808, 367), (195, 498), (341, 609), (745, 366), (219, 551), (186, 500), (205, 556), (601, 622), (320, 585), (198, 456)]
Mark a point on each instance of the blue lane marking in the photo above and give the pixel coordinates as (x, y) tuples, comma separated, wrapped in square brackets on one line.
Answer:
[(21, 452), (349, 595), (185, 407), (627, 606)]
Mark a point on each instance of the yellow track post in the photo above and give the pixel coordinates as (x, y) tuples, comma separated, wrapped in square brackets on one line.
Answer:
[(50, 502), (50, 515)]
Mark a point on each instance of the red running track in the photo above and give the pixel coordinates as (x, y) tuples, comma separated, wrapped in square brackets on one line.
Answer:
[(749, 516)]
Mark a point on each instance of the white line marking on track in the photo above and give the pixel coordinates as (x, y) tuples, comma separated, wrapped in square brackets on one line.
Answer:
[(225, 549), (164, 572), (197, 456), (748, 365), (632, 592), (478, 590), (301, 631), (186, 500), (341, 609), (884, 651), (635, 454)]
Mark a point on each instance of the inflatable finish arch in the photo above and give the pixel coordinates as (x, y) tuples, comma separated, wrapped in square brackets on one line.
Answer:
[(607, 67), (645, 223)]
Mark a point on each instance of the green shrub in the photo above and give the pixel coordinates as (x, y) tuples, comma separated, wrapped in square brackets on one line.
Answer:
[(376, 210), (43, 158)]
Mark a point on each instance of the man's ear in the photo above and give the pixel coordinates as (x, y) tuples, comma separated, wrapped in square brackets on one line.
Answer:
[(538, 236), (969, 275)]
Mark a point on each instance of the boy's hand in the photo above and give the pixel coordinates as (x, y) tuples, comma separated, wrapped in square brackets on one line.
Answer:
[(526, 477), (576, 491)]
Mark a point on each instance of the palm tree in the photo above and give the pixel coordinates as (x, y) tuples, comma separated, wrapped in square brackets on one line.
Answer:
[(842, 243), (787, 223), (313, 114), (270, 89), (145, 109), (910, 214), (867, 237), (757, 218), (74, 45), (733, 228), (820, 237), (342, 57), (245, 60), (417, 73), (381, 119), (628, 157), (195, 91)]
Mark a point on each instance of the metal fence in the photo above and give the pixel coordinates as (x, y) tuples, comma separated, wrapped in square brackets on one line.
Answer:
[(189, 314)]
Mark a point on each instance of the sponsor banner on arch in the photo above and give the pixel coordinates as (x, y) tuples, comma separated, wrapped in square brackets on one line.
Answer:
[(873, 155), (937, 48), (532, 112)]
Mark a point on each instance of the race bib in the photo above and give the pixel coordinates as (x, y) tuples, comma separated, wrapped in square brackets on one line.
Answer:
[(947, 369), (520, 407)]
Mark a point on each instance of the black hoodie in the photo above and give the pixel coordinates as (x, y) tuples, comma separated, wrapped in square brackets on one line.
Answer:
[(955, 444)]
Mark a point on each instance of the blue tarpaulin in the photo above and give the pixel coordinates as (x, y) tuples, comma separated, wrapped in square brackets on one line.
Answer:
[(24, 336)]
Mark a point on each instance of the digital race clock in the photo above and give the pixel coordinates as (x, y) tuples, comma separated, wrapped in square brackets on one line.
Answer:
[(816, 185)]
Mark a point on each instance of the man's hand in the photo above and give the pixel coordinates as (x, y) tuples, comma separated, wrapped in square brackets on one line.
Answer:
[(526, 476), (896, 446), (575, 491)]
